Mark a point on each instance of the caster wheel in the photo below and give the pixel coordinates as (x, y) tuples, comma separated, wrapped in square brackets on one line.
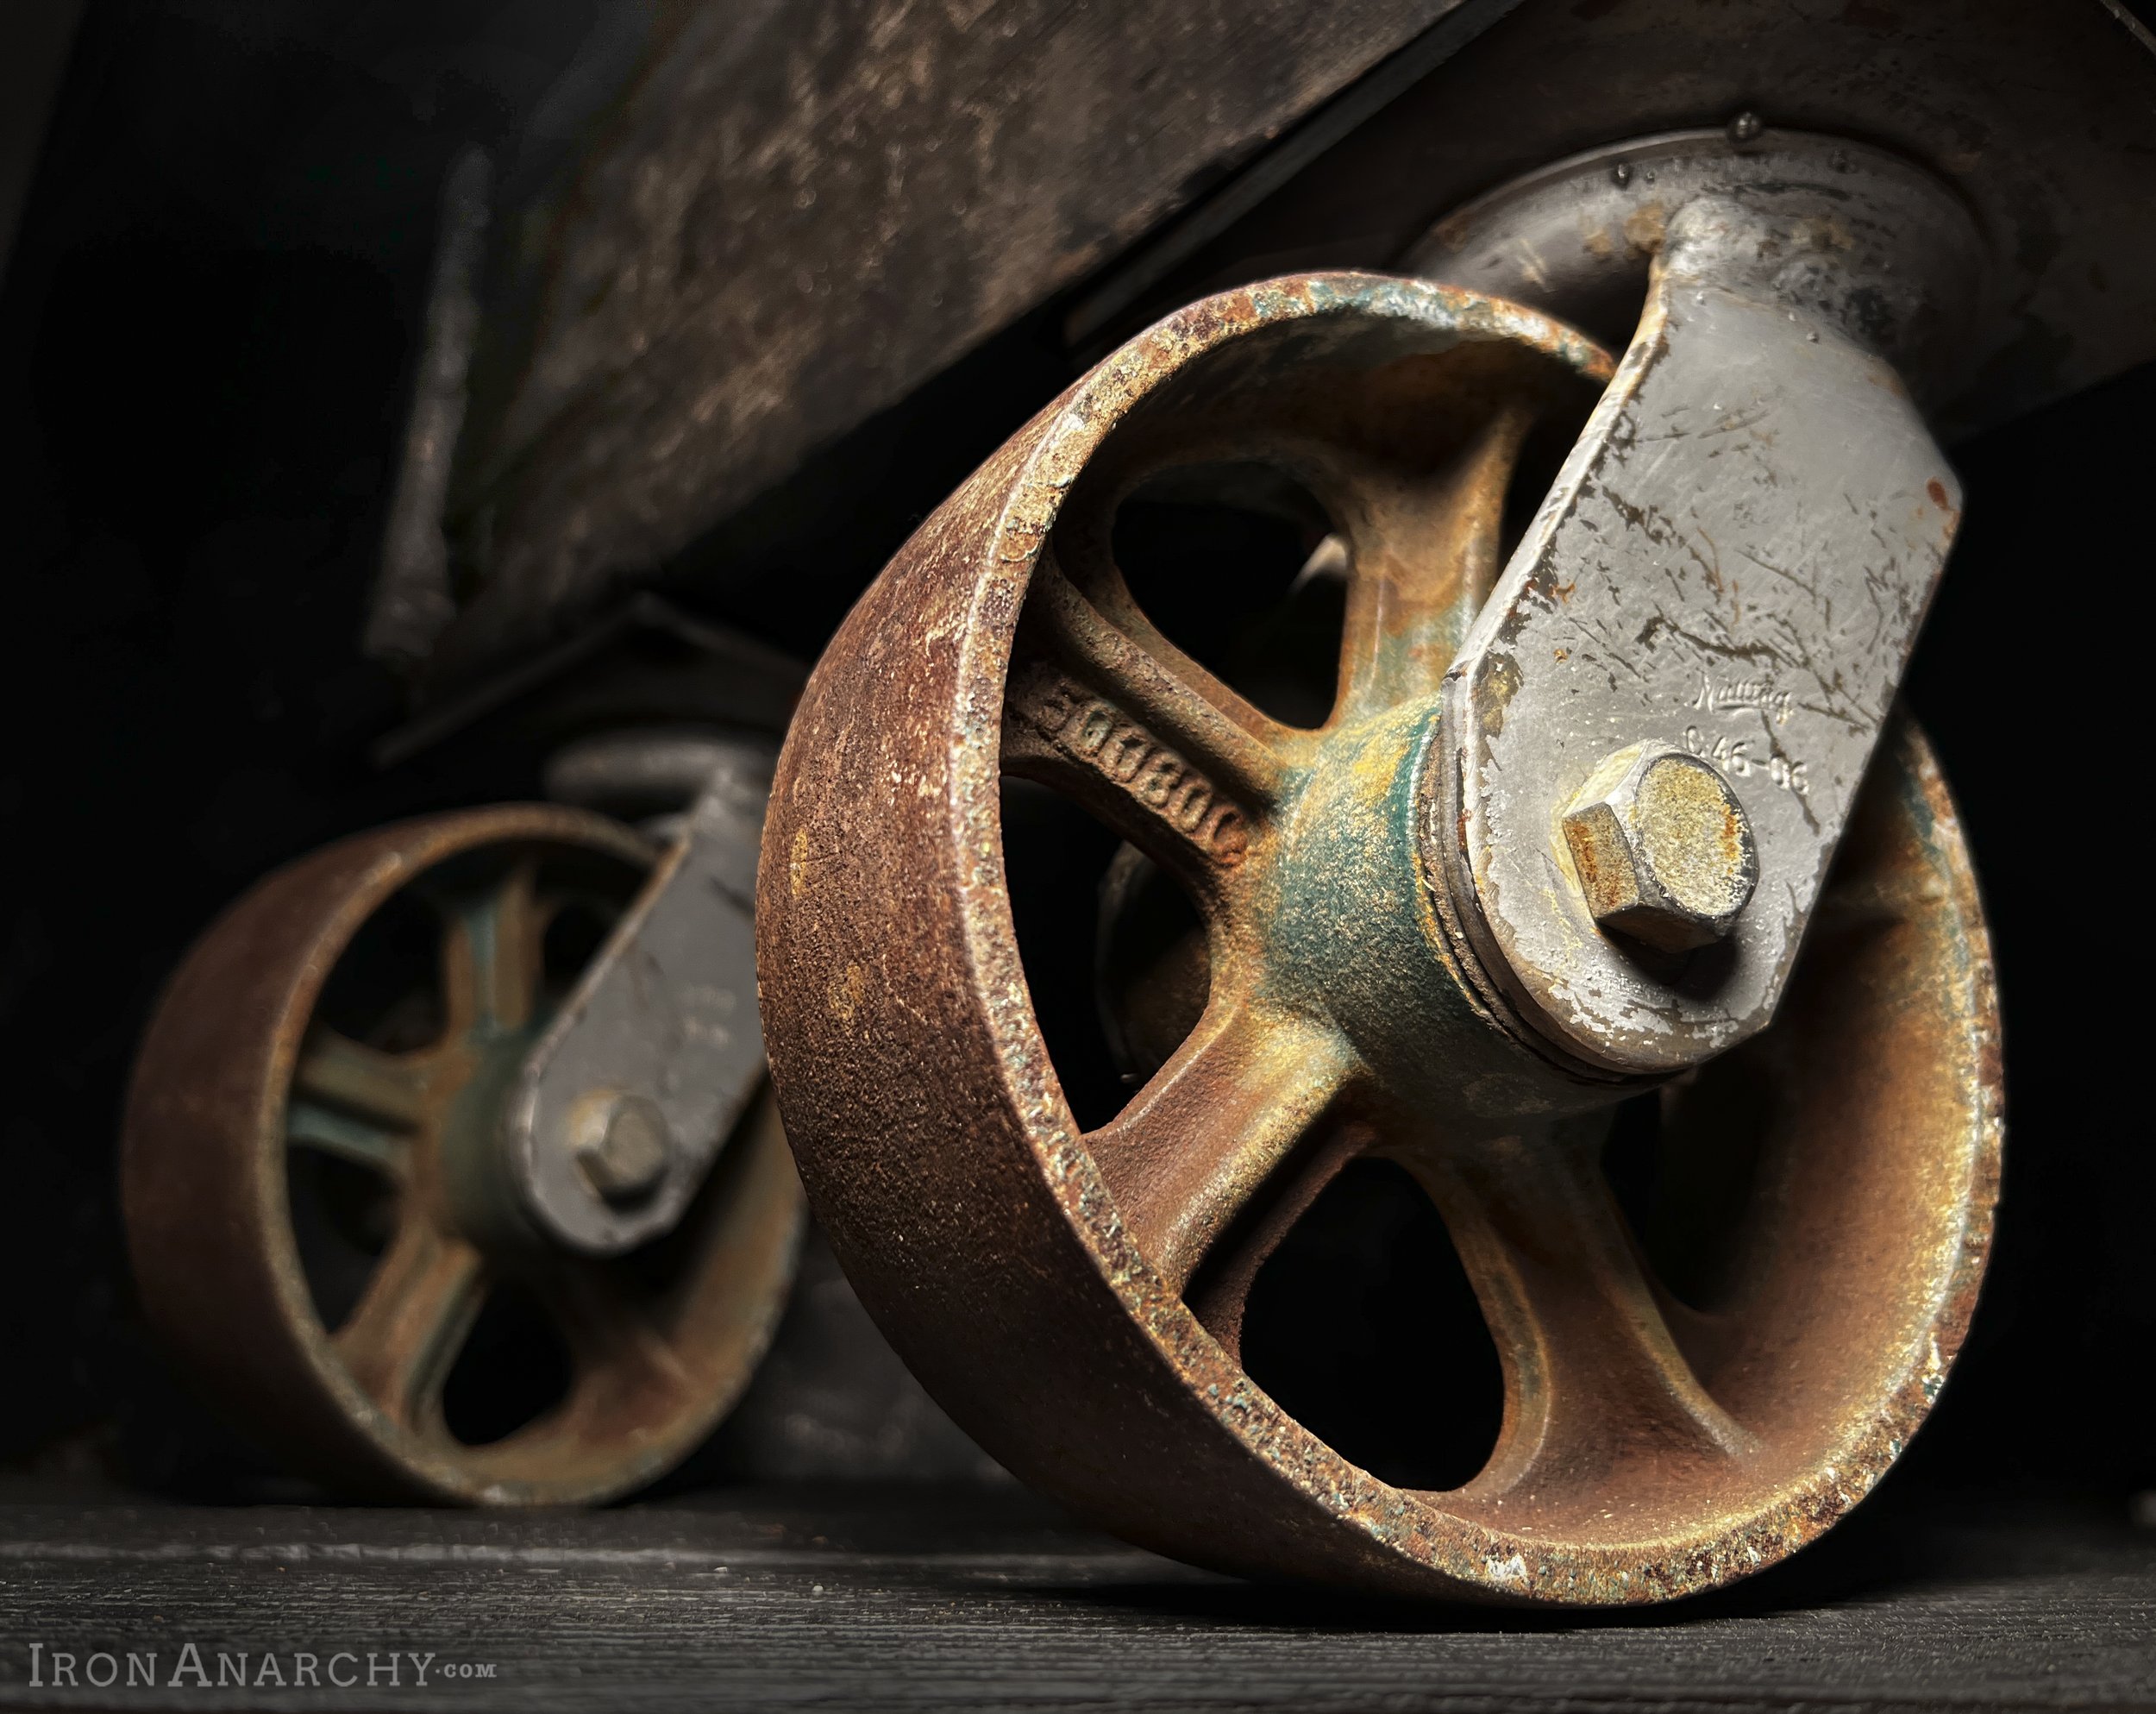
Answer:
[(321, 1227), (1691, 1392)]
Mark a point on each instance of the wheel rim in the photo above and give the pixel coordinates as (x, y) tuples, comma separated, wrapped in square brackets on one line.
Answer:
[(1056, 1289), (244, 1086)]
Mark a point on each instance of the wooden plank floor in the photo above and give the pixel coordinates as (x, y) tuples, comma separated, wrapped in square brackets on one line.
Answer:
[(836, 1598)]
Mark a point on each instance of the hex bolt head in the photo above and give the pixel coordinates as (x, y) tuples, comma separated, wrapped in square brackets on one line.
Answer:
[(1664, 850), (623, 1145)]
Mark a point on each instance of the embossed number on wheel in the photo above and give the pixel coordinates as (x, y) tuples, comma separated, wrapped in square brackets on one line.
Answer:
[(1076, 1297)]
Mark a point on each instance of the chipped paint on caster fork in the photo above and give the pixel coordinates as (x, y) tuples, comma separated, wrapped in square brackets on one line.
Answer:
[(238, 1070), (1072, 1298), (663, 1020), (1733, 562)]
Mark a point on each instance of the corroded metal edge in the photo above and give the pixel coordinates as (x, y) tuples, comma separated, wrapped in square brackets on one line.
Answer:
[(204, 1194), (936, 1144)]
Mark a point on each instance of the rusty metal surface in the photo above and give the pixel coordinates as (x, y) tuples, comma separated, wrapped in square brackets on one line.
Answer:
[(413, 600), (678, 367), (1663, 849), (664, 1018), (1733, 562), (797, 214), (1071, 1297), (242, 1072), (2041, 118)]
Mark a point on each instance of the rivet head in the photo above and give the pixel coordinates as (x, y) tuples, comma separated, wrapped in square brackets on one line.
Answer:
[(1663, 849), (623, 1145)]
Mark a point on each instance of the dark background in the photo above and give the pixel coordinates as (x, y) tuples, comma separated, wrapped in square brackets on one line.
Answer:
[(206, 332)]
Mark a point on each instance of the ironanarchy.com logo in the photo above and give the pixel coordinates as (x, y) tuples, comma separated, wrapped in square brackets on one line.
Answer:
[(196, 1668)]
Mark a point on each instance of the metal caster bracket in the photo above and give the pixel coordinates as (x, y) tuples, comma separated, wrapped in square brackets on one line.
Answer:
[(1729, 572), (625, 1102), (1075, 1296)]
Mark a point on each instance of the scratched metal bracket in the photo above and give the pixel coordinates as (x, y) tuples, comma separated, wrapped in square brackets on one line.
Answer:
[(1732, 563), (622, 1108)]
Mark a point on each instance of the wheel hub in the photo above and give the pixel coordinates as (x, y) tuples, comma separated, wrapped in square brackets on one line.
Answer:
[(1075, 1296), (1351, 936), (374, 1006)]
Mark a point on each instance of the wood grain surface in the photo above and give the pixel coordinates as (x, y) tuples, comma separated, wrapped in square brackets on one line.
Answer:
[(797, 213), (922, 1598)]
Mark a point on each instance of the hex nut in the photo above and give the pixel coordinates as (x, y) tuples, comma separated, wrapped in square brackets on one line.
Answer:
[(623, 1145), (1664, 851)]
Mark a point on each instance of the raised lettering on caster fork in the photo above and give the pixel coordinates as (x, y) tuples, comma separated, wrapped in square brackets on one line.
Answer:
[(1075, 1298)]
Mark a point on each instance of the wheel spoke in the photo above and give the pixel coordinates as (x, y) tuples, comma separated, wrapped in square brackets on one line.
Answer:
[(617, 1347), (492, 953), (1220, 1291), (1095, 627), (1593, 1378), (1422, 561), (389, 1090), (1198, 1142), (329, 1131), (411, 1322), (1139, 733)]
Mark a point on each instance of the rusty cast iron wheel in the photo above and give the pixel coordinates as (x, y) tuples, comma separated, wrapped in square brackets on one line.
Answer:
[(1076, 1298), (294, 1075)]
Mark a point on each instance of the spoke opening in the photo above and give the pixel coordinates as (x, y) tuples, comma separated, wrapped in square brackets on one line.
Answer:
[(1547, 442), (514, 1368), (1685, 1164), (1605, 1408), (1362, 1325), (1103, 943), (518, 926), (577, 927), (385, 990), (405, 1333), (1152, 968), (1225, 560), (620, 1351), (344, 1213)]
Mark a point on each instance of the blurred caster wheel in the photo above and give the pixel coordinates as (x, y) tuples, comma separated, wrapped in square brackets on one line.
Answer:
[(1687, 1395), (321, 1227)]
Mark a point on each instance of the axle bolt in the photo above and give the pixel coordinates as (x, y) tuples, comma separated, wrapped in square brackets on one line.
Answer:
[(623, 1145), (1663, 849)]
